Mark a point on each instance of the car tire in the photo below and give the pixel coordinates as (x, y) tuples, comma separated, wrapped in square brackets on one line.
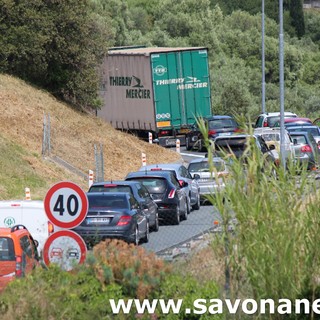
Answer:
[(177, 216), (186, 210), (155, 227), (201, 146), (136, 239), (198, 204), (145, 239), (188, 147)]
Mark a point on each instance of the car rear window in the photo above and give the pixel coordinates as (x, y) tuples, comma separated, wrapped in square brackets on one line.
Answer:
[(108, 201), (6, 249), (222, 123), (300, 139), (154, 185), (111, 188), (203, 166)]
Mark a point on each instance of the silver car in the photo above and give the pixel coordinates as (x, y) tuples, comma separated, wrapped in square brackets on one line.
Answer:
[(209, 182)]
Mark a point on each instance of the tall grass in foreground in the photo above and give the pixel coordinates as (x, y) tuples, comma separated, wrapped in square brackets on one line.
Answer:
[(274, 252)]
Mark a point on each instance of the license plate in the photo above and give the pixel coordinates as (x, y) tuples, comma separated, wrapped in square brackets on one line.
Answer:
[(184, 130), (225, 134), (98, 220)]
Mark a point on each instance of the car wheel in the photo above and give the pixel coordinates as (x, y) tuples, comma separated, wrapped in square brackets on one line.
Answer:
[(136, 237), (188, 147), (201, 146), (185, 211), (145, 239), (177, 215), (156, 224), (197, 205), (189, 207)]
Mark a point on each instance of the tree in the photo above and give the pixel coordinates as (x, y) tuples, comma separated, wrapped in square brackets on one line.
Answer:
[(55, 44), (296, 13)]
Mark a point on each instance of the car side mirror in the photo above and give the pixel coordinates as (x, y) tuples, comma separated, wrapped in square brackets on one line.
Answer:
[(272, 147), (183, 183), (295, 142), (196, 176), (143, 206), (36, 243)]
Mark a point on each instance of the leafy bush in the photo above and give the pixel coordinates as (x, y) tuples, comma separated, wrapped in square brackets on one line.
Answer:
[(56, 294), (187, 288), (137, 271)]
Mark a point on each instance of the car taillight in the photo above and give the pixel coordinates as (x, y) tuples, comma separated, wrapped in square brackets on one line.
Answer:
[(124, 220), (18, 266), (163, 133), (156, 169), (110, 185), (181, 182), (212, 132), (237, 130), (50, 227), (306, 148), (172, 193), (265, 123)]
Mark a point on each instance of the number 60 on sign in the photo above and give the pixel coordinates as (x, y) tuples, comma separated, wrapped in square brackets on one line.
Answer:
[(66, 205)]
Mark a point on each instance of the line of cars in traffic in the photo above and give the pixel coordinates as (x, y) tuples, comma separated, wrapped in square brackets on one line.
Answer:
[(128, 209), (301, 137)]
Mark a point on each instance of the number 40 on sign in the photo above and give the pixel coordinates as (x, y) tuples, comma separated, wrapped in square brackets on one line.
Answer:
[(66, 205)]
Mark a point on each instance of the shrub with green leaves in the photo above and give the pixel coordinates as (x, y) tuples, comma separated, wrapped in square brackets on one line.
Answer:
[(274, 250)]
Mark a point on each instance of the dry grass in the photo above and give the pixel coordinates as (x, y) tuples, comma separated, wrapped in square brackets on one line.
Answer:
[(73, 135)]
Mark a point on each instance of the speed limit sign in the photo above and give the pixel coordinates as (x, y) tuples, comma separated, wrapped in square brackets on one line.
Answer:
[(66, 205)]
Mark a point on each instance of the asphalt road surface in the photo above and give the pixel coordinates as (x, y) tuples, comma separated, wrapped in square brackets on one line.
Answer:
[(199, 221)]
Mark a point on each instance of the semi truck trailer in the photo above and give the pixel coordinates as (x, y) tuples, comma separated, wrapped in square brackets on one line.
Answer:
[(155, 90)]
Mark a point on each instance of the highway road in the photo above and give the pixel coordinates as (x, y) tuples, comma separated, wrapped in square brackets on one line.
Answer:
[(199, 221)]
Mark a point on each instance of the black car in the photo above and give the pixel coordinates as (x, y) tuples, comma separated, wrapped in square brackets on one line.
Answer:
[(237, 146), (216, 126), (138, 190), (113, 215), (166, 192)]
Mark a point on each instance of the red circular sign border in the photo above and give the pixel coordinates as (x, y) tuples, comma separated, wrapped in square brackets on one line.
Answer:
[(64, 233), (83, 197)]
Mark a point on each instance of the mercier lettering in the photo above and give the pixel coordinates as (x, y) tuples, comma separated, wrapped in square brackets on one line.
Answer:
[(138, 93)]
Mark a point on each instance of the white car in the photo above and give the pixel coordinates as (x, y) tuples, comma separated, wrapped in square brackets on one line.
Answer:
[(271, 136), (268, 119)]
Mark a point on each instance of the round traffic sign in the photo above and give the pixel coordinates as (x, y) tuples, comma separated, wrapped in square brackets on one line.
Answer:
[(65, 248), (66, 205)]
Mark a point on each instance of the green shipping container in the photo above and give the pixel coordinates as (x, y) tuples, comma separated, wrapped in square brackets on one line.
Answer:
[(181, 87)]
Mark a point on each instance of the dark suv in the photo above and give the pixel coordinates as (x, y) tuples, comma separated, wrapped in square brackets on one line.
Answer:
[(216, 126), (139, 191), (167, 193)]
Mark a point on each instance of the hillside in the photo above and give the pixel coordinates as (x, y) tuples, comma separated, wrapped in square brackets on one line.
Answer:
[(73, 135)]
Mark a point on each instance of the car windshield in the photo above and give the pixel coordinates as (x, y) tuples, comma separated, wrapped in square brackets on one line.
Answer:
[(111, 188), (222, 123), (203, 166), (271, 136), (6, 249), (108, 201), (154, 185), (313, 131)]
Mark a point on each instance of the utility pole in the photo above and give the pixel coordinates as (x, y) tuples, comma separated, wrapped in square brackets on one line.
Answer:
[(263, 82), (281, 77)]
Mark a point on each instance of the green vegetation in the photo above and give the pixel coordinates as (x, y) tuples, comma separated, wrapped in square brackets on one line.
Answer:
[(19, 173), (58, 45)]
